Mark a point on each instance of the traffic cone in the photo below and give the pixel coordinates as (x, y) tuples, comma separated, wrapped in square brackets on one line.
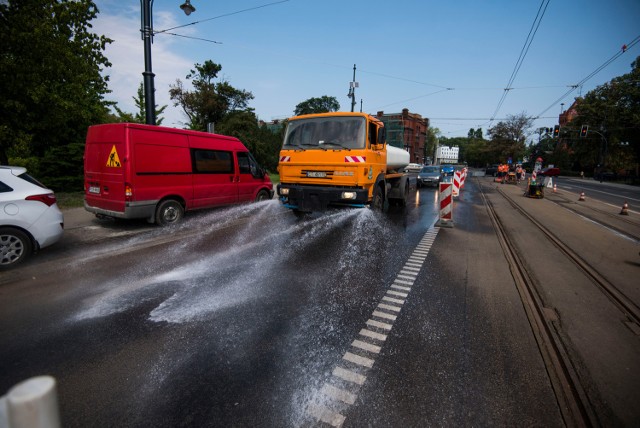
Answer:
[(625, 209), (581, 198), (555, 190)]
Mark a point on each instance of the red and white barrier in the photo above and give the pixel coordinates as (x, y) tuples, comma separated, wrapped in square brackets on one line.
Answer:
[(456, 184), (445, 218), (463, 177)]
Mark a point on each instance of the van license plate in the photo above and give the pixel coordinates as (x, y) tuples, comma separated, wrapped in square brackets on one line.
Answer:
[(316, 174), (94, 189)]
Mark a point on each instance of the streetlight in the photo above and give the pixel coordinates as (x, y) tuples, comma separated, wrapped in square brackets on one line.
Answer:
[(146, 29), (187, 8)]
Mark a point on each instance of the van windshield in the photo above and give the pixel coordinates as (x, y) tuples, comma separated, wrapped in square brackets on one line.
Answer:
[(326, 133)]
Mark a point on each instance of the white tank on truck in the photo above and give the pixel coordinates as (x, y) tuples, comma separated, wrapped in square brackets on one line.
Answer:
[(396, 157)]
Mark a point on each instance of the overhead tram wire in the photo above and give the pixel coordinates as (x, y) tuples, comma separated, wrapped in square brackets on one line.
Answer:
[(219, 16), (523, 53), (593, 73)]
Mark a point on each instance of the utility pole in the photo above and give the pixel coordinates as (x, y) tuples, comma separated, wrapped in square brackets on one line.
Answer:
[(147, 37), (352, 89)]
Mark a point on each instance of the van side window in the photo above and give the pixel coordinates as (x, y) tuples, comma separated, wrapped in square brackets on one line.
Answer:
[(212, 161), (244, 163)]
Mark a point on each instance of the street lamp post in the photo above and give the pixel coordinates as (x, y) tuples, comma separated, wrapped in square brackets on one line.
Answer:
[(146, 29)]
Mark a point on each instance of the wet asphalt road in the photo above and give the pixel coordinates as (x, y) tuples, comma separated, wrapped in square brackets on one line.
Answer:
[(241, 317)]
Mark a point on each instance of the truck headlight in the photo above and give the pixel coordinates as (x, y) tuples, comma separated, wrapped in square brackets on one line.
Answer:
[(348, 195), (284, 191)]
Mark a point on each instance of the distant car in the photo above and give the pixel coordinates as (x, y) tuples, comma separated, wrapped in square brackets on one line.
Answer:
[(550, 172), (492, 170), (447, 170), (429, 176), (413, 167), (29, 216)]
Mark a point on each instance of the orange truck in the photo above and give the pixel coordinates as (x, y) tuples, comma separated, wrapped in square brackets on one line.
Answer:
[(340, 159)]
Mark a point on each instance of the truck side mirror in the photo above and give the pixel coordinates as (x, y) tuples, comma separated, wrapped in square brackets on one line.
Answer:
[(382, 135)]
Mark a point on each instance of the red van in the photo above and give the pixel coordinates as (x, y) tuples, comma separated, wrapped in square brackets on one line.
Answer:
[(146, 171)]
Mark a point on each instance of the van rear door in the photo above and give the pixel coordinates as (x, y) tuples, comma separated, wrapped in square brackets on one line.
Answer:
[(106, 147)]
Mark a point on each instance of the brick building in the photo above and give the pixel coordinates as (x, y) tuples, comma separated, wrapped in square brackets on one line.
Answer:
[(407, 131)]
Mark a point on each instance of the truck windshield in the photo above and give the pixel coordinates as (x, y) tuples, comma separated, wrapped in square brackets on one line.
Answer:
[(326, 133)]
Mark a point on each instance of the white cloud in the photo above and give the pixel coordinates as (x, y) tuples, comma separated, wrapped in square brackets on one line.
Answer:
[(126, 55)]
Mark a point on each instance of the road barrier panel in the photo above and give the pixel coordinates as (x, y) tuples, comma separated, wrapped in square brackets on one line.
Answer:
[(445, 217), (456, 184)]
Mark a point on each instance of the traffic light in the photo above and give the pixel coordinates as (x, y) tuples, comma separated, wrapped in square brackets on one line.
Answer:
[(556, 131), (583, 131)]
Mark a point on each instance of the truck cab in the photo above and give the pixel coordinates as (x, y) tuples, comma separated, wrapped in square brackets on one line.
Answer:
[(331, 159)]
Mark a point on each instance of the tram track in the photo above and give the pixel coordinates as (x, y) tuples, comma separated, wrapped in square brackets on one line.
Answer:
[(613, 293), (572, 399)]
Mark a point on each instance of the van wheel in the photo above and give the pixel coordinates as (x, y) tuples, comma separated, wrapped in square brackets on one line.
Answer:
[(15, 247), (262, 196), (169, 212)]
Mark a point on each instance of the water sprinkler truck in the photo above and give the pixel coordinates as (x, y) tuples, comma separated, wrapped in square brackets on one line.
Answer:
[(340, 159)]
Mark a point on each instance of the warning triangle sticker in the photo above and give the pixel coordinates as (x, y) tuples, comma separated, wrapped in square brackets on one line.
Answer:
[(114, 160)]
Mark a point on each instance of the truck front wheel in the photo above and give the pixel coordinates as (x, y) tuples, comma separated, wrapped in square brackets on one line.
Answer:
[(377, 202), (169, 212)]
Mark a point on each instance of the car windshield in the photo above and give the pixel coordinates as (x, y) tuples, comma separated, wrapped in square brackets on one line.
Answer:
[(430, 169), (326, 133)]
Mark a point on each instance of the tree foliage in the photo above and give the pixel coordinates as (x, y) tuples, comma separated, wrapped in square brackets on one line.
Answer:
[(508, 138), (323, 104), (209, 101), (262, 143), (141, 115), (227, 108), (50, 77), (612, 113)]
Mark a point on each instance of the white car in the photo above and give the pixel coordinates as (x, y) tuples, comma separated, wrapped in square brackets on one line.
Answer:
[(413, 167), (29, 216)]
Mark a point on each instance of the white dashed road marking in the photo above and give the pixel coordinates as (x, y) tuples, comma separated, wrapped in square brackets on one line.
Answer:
[(368, 346)]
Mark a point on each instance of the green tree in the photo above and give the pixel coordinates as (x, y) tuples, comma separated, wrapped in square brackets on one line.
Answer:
[(50, 77), (262, 143), (431, 140), (322, 104), (612, 112), (209, 101), (140, 116), (508, 138)]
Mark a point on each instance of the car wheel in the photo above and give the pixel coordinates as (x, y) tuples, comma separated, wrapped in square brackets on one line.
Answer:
[(262, 196), (169, 212), (15, 247)]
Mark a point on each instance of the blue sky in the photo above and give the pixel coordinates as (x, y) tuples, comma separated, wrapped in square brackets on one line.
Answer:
[(449, 61)]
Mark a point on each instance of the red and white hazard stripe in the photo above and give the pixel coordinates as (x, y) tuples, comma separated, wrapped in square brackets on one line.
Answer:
[(463, 177), (285, 158), (355, 159), (446, 205), (456, 184)]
